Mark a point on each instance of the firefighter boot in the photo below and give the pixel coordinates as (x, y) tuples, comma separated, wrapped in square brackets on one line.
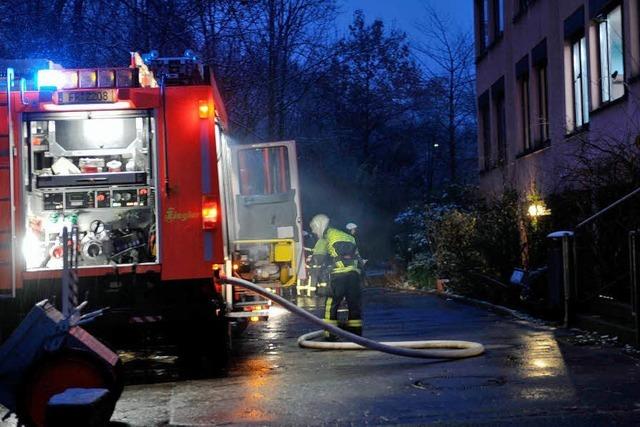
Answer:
[(328, 336), (354, 326)]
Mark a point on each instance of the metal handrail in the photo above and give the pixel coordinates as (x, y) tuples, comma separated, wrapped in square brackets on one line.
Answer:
[(606, 209), (12, 154), (23, 89), (570, 257)]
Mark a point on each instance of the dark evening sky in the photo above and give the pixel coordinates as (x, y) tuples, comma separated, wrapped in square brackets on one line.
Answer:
[(403, 14)]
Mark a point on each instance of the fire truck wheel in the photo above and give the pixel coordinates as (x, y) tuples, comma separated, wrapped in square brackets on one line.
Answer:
[(8, 319), (59, 371), (204, 345), (238, 327)]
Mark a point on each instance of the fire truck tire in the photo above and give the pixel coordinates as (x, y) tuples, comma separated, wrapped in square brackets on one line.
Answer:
[(56, 372), (8, 319), (204, 343), (239, 326)]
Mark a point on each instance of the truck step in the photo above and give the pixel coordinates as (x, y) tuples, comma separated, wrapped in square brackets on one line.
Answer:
[(79, 407), (250, 303)]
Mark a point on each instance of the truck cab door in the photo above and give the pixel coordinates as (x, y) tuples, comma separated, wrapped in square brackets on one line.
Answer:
[(8, 273), (266, 195)]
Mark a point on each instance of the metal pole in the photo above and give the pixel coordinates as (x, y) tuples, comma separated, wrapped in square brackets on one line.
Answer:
[(568, 248), (12, 154), (633, 272), (566, 276), (69, 272), (66, 308), (73, 270)]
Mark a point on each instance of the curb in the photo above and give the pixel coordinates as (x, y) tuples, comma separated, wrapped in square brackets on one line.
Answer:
[(522, 317), (519, 316)]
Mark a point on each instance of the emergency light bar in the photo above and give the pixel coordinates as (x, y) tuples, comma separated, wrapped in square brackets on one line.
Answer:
[(87, 78)]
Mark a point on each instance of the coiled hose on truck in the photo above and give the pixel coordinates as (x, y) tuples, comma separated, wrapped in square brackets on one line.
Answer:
[(433, 349)]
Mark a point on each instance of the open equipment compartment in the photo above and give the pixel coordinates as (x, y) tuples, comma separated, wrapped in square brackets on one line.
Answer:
[(94, 170)]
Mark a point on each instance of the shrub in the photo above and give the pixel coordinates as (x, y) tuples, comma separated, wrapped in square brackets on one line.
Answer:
[(421, 271), (464, 241)]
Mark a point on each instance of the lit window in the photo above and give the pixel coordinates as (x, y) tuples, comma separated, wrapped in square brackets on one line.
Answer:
[(611, 55), (580, 82)]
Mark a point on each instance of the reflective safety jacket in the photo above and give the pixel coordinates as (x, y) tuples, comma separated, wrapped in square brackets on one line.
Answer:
[(341, 248), (320, 253)]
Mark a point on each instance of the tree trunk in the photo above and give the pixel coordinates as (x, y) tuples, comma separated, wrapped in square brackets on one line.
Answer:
[(271, 70), (452, 129)]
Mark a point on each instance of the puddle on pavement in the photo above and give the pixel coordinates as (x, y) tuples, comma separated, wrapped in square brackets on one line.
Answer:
[(451, 382), (149, 366)]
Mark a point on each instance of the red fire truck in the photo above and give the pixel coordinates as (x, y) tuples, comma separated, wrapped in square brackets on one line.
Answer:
[(137, 160)]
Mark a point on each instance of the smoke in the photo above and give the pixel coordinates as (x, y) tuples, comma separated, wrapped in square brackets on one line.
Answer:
[(346, 202)]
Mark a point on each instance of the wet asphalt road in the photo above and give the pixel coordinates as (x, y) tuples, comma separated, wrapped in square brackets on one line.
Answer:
[(530, 375)]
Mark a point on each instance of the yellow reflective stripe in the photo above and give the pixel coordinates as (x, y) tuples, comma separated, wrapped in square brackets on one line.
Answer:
[(327, 308), (321, 247), (345, 269), (354, 322), (334, 236), (331, 322)]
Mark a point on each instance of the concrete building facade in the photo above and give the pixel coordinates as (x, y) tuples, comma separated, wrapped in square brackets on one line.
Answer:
[(551, 75)]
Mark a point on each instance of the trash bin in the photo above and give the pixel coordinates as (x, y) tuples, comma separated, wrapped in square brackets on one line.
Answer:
[(560, 273)]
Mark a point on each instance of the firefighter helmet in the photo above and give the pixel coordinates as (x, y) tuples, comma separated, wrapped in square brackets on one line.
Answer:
[(319, 224)]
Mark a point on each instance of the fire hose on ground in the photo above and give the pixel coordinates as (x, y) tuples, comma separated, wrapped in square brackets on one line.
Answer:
[(431, 349)]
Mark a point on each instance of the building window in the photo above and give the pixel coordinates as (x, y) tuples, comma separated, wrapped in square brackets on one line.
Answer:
[(524, 98), (525, 115), (523, 5), (498, 18), (501, 123), (482, 7), (485, 129), (539, 59), (485, 118), (611, 55), (580, 76), (543, 102)]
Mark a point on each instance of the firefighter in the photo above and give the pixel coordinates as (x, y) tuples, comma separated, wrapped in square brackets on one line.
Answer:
[(352, 229), (342, 256), (319, 264)]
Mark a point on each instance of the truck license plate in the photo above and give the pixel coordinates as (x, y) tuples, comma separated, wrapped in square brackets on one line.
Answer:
[(86, 97)]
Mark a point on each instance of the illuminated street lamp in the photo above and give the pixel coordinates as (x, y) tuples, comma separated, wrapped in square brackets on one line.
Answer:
[(537, 209)]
